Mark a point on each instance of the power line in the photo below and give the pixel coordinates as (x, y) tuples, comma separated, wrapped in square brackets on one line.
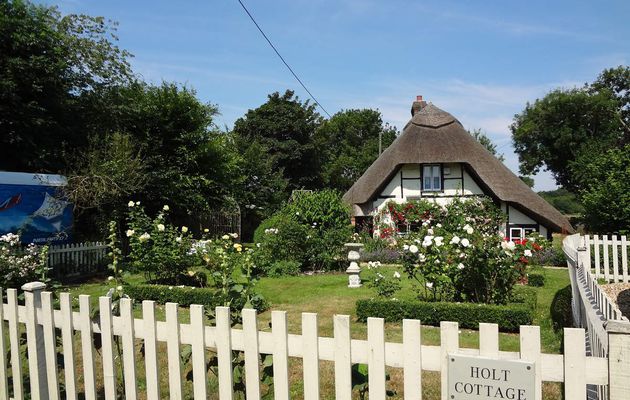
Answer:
[(282, 58)]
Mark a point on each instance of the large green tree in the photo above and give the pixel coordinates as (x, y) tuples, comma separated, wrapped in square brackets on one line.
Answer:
[(606, 191), (350, 144), (556, 131), (49, 63), (285, 127)]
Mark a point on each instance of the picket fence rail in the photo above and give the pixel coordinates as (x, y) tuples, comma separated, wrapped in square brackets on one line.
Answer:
[(574, 367), (77, 258), (607, 257)]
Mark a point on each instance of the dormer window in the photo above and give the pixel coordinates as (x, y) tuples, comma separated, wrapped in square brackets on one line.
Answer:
[(431, 178)]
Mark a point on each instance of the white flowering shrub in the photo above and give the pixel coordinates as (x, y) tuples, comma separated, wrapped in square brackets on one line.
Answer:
[(158, 249), (457, 252), (21, 264), (385, 281)]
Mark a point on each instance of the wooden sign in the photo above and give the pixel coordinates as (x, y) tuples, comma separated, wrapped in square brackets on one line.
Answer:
[(476, 378)]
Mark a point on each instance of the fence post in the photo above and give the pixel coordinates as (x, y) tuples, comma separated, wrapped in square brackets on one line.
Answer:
[(618, 360), (35, 339)]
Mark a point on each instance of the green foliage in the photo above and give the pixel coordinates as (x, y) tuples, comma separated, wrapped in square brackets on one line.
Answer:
[(157, 248), (509, 317), (349, 142), (536, 279), (563, 200), (565, 125), (184, 296), (606, 191), (529, 181), (52, 66), (449, 259), (385, 283), (486, 142), (561, 311), (310, 230), (361, 382), (21, 264), (286, 127)]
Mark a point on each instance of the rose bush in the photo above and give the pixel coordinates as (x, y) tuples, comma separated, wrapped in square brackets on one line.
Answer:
[(456, 252), (21, 264)]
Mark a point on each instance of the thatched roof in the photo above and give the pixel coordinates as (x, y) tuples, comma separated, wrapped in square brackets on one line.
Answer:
[(435, 136)]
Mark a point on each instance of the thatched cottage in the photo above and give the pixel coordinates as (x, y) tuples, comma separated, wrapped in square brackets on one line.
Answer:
[(436, 158)]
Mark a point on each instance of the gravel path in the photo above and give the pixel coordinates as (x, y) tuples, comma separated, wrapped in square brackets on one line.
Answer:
[(620, 294)]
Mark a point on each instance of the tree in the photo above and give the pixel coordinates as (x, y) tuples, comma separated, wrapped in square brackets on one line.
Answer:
[(606, 191), (486, 142), (529, 181), (565, 125), (190, 164), (350, 144), (48, 65), (286, 127)]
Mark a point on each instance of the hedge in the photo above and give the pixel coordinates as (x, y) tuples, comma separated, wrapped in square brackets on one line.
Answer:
[(183, 296), (535, 279), (509, 317)]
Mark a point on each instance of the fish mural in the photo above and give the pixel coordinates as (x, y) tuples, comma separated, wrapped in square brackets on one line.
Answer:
[(30, 205)]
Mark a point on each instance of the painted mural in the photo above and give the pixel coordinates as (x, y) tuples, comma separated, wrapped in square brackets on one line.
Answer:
[(35, 212)]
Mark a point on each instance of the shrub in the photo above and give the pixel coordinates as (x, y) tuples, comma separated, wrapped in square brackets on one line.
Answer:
[(283, 268), (385, 256), (549, 256), (509, 317), (185, 296), (310, 230), (157, 248), (561, 312), (536, 279), (19, 265), (385, 282)]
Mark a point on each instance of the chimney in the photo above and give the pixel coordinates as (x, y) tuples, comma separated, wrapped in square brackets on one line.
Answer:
[(417, 105)]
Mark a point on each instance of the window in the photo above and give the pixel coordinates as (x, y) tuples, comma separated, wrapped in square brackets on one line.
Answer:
[(431, 178), (516, 233)]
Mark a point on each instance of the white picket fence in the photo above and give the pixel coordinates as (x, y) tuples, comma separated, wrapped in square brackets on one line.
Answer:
[(40, 319), (592, 308), (77, 258), (607, 257)]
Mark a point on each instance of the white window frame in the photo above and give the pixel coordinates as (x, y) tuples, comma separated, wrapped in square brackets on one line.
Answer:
[(432, 183), (520, 233)]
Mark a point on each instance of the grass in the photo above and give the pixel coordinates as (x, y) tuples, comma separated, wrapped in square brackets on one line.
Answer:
[(327, 295)]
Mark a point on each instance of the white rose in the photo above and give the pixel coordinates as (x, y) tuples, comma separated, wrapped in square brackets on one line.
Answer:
[(137, 203), (465, 242), (110, 278), (161, 227), (406, 247), (184, 229), (421, 257), (178, 239), (460, 266), (166, 208), (413, 248), (429, 284), (130, 232), (511, 245), (439, 241), (430, 231), (144, 237), (527, 253), (396, 275), (455, 240), (225, 237), (119, 288), (131, 204)]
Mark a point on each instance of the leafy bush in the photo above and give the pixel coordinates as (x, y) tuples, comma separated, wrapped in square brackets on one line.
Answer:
[(385, 282), (553, 256), (157, 248), (19, 265), (283, 268), (310, 230), (509, 317), (385, 256), (561, 312), (535, 279)]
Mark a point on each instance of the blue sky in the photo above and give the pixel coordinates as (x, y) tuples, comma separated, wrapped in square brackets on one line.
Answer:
[(479, 60)]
